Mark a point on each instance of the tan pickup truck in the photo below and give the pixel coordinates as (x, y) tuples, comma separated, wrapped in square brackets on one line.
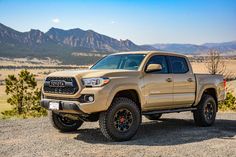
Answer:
[(120, 88)]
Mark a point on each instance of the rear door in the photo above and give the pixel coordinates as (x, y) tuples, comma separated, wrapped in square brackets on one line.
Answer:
[(184, 81), (158, 84)]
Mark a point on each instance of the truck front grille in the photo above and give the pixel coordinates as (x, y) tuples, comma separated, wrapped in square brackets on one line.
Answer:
[(60, 85)]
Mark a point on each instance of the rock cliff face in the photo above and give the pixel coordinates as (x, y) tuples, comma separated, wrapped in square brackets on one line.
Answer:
[(56, 41), (91, 41)]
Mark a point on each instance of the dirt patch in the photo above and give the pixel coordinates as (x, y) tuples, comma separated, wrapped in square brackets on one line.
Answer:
[(173, 135)]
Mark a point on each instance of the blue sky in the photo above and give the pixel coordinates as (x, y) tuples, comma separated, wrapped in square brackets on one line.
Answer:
[(142, 21)]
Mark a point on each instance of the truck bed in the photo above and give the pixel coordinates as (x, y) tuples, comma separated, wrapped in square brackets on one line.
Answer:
[(204, 81)]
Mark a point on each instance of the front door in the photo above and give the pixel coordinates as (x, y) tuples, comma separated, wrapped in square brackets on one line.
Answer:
[(158, 85)]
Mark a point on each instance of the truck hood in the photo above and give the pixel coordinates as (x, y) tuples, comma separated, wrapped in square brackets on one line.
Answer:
[(94, 73)]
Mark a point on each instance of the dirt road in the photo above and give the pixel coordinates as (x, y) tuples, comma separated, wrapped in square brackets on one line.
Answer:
[(173, 135)]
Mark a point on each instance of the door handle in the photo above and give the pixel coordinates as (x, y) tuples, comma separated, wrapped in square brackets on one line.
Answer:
[(190, 80), (169, 80)]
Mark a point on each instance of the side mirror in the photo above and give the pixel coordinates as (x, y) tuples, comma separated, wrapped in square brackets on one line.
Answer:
[(154, 67)]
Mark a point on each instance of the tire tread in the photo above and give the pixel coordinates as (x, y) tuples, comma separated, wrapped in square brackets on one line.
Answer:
[(198, 114), (103, 121), (57, 125)]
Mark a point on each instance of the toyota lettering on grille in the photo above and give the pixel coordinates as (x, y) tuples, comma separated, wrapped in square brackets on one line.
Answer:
[(57, 83)]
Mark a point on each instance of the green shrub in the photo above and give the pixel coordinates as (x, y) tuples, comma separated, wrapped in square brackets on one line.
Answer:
[(229, 103), (24, 96)]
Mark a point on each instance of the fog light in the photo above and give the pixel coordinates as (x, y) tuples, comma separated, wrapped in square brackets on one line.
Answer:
[(90, 98), (86, 98)]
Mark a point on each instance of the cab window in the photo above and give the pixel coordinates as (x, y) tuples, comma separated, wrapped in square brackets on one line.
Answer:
[(178, 64)]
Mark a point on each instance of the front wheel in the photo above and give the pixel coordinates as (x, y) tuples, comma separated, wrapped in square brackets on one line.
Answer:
[(64, 124), (206, 112), (121, 121)]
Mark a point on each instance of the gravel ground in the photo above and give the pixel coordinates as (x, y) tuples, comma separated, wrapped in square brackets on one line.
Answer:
[(173, 135)]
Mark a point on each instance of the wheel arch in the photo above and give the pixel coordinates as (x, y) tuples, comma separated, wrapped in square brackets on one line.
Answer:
[(132, 94), (212, 92)]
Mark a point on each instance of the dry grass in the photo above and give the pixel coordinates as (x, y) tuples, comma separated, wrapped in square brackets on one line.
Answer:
[(201, 68), (3, 101), (39, 73), (232, 86), (27, 61)]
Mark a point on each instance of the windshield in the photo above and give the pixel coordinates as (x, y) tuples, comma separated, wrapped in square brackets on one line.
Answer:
[(120, 61)]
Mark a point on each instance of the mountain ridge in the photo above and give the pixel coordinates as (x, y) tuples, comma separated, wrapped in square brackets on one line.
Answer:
[(62, 44), (223, 47)]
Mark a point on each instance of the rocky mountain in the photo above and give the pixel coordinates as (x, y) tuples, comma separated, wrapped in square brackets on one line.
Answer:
[(181, 48), (61, 44), (57, 41), (66, 44), (21, 44), (225, 48), (91, 41)]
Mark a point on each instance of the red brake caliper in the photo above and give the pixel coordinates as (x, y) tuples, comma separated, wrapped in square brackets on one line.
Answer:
[(122, 119)]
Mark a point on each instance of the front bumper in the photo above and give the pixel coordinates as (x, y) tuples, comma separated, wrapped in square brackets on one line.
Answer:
[(73, 104), (64, 106), (102, 99)]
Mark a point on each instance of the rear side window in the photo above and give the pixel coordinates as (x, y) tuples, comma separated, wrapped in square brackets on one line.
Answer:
[(158, 59), (178, 64)]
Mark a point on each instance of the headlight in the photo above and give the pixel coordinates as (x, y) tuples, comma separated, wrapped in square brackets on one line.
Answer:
[(95, 82)]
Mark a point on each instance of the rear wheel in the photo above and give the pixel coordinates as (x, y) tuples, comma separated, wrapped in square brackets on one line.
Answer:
[(64, 124), (121, 121), (154, 116), (206, 112)]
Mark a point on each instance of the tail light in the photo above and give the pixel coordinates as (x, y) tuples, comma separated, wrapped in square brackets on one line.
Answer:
[(225, 84)]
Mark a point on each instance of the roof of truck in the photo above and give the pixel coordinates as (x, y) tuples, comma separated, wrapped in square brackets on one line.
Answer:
[(151, 52)]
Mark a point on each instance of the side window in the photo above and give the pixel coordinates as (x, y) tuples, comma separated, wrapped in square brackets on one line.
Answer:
[(178, 64), (159, 60)]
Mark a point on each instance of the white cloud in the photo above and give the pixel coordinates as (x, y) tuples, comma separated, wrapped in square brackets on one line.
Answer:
[(56, 20), (113, 22)]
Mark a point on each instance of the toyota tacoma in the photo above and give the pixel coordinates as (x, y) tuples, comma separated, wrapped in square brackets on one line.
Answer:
[(121, 87)]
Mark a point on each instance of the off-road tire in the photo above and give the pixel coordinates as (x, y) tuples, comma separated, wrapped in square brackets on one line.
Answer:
[(60, 124), (200, 116), (154, 116), (107, 119)]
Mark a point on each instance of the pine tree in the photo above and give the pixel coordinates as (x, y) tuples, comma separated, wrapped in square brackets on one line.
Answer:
[(24, 95)]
